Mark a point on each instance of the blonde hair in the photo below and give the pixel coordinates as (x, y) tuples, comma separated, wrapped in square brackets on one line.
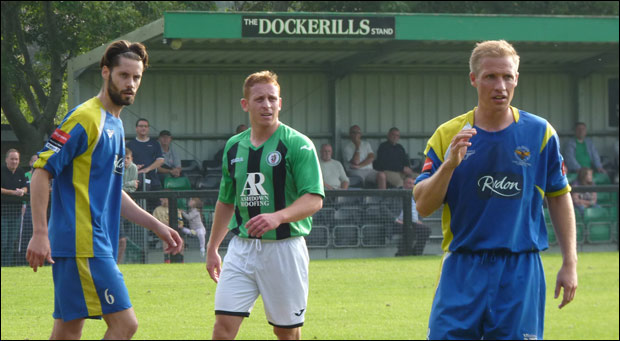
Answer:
[(259, 78), (492, 48)]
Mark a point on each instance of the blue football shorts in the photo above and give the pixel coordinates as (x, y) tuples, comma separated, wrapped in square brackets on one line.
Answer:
[(88, 288), (489, 295)]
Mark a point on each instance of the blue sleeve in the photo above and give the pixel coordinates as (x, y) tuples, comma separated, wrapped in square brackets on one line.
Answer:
[(556, 178), (431, 164), (66, 143)]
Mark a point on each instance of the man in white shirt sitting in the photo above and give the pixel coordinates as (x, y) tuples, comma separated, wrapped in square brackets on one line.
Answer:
[(334, 176), (358, 157)]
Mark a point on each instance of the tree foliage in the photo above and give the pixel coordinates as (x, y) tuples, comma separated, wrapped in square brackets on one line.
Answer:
[(39, 38), (469, 7)]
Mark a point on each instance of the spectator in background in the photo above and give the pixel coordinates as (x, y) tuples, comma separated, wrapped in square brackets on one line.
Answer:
[(28, 174), (162, 214), (580, 151), (218, 156), (194, 219), (583, 200), (241, 128), (14, 183), (147, 155), (358, 157), (417, 232), (130, 176), (392, 160), (172, 162), (334, 176), (130, 185)]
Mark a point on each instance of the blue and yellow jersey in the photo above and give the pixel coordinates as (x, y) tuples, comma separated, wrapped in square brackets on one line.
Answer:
[(85, 155), (495, 196)]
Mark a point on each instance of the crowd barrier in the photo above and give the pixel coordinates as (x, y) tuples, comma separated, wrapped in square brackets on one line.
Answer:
[(349, 219)]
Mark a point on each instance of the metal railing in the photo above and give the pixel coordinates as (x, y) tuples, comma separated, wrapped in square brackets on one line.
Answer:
[(348, 219)]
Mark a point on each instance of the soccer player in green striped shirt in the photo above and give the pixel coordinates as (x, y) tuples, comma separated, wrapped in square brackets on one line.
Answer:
[(271, 185)]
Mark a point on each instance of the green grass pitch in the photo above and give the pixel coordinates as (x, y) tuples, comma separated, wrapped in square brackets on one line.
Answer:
[(383, 298)]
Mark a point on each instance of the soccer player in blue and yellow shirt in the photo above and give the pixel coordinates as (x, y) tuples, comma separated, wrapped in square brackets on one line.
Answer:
[(492, 168), (85, 157)]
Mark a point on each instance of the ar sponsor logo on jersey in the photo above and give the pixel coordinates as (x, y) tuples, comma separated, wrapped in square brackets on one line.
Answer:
[(253, 193), (501, 185), (522, 155), (57, 140)]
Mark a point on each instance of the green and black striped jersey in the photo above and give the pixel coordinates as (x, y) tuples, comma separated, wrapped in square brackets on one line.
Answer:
[(269, 178)]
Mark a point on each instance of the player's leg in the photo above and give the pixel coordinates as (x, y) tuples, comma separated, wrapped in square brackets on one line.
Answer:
[(380, 179), (287, 333), (460, 299), (226, 327), (283, 284), (122, 325), (518, 308), (122, 245), (236, 291), (70, 330)]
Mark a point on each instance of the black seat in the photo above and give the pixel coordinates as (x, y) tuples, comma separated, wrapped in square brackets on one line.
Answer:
[(318, 237), (211, 167), (346, 236)]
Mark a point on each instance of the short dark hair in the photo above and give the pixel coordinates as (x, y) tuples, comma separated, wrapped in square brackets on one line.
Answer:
[(165, 133), (142, 119), (123, 48), (579, 124)]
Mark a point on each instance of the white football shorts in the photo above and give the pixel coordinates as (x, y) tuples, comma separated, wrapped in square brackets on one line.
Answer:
[(275, 269)]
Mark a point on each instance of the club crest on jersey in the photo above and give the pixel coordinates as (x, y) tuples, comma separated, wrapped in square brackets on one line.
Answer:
[(522, 155), (274, 158), (110, 132)]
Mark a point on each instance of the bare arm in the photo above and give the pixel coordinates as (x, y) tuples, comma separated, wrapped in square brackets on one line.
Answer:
[(563, 218), (17, 192), (134, 213), (303, 207), (39, 249), (154, 165), (368, 160), (219, 229), (430, 193)]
